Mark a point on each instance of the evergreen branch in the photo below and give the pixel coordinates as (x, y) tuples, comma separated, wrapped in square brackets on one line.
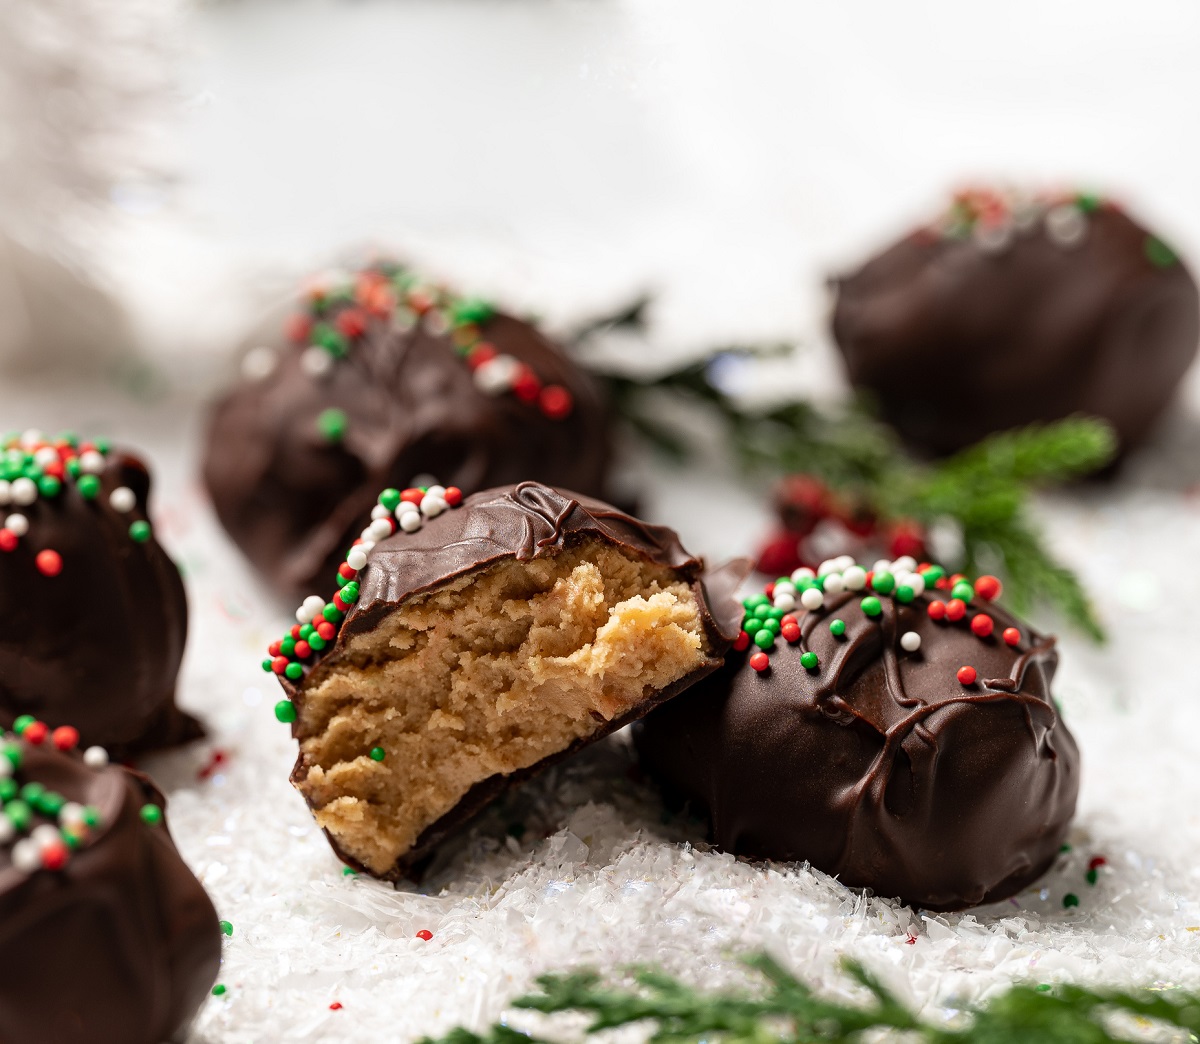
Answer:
[(786, 1011), (984, 488)]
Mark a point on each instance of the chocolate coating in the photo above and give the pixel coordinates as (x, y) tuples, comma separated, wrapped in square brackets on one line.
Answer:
[(99, 645), (521, 522), (963, 334), (879, 767), (122, 944), (293, 501)]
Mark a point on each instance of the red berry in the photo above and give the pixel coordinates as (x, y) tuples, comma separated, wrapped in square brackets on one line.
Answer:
[(526, 385), (279, 664), (36, 733), (297, 329), (65, 737), (326, 630), (425, 934), (481, 353), (937, 610), (741, 642), (988, 588), (54, 856), (453, 496), (966, 675), (303, 649), (760, 661), (8, 540), (556, 402), (790, 632), (1011, 636), (780, 555), (412, 495), (956, 609), (49, 563), (351, 323), (982, 624)]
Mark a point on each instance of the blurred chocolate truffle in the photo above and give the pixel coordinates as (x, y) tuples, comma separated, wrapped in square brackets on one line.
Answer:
[(483, 640), (893, 727), (107, 935), (377, 379), (93, 616), (1011, 310)]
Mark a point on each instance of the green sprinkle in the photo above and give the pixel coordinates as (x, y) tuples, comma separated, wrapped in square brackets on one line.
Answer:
[(151, 814), (316, 642), (349, 871), (285, 711), (218, 989), (49, 486), (51, 804), (293, 672), (1043, 987), (307, 631), (1070, 899), (8, 789), (227, 928), (140, 531), (1088, 202), (933, 574), (331, 340), (1064, 848), (22, 723), (754, 601), (332, 424), (1158, 253), (88, 486), (332, 613), (774, 614), (962, 590), (773, 626), (266, 665), (73, 468), (883, 582), (32, 793), (837, 628), (19, 814), (378, 754), (905, 594), (809, 661), (287, 646), (871, 606), (470, 310), (764, 639), (1092, 875), (390, 498)]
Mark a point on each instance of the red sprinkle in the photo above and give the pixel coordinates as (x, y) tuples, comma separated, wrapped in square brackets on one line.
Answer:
[(8, 540), (65, 737), (347, 571), (351, 323), (741, 642), (556, 402), (336, 1006), (1096, 861), (760, 661), (453, 496), (54, 468), (967, 675), (49, 563), (982, 624), (526, 385), (425, 934), (987, 588), (303, 649), (36, 733), (54, 856), (295, 631), (1011, 636), (481, 353), (279, 664), (937, 610), (298, 328), (412, 495), (326, 630), (956, 609), (275, 648), (790, 632)]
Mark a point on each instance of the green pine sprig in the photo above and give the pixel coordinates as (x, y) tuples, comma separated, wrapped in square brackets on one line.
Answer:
[(984, 489), (786, 1011)]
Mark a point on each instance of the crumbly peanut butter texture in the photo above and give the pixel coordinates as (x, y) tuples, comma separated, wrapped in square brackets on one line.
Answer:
[(488, 674)]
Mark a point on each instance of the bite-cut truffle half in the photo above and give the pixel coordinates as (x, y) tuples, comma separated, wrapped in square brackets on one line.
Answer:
[(893, 726), (478, 646)]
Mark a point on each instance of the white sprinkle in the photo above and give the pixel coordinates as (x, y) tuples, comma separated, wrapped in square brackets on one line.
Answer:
[(380, 511), (122, 499), (259, 363), (910, 641), (95, 757), (411, 522), (45, 835), (356, 559), (26, 857), (834, 584), (785, 587), (380, 529), (993, 239), (812, 599), (407, 507), (917, 582), (46, 455), (904, 564), (828, 566), (7, 830), (312, 605), (855, 578), (785, 601), (316, 361), (431, 507), (496, 375), (844, 562), (367, 546), (436, 491), (803, 573), (31, 438), (1066, 225), (24, 491), (5, 492), (6, 768), (72, 814), (91, 462), (436, 322), (882, 566), (18, 524)]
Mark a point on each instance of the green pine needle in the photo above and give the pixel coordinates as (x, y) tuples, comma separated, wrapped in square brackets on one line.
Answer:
[(786, 1011), (984, 489)]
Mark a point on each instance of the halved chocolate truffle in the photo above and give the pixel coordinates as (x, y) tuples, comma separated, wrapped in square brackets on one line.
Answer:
[(380, 377), (894, 728), (480, 643), (93, 616), (105, 934), (1015, 309)]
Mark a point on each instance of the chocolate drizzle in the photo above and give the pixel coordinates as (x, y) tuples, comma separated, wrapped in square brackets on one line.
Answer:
[(879, 766)]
